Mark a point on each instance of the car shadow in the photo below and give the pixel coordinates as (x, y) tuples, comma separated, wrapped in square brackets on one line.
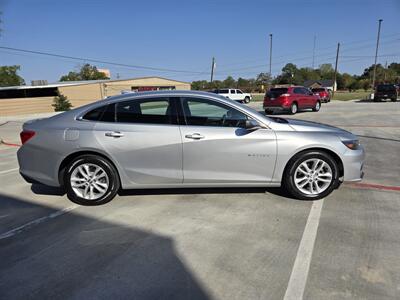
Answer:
[(372, 101), (284, 113), (82, 257), (46, 190)]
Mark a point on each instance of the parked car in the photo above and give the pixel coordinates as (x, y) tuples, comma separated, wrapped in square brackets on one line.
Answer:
[(323, 94), (291, 99), (183, 139), (234, 94), (386, 91)]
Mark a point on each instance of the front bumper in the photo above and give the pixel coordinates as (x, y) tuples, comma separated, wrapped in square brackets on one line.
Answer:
[(353, 165)]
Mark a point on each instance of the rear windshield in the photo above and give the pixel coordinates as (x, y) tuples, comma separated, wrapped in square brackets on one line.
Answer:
[(386, 88), (318, 90), (275, 93)]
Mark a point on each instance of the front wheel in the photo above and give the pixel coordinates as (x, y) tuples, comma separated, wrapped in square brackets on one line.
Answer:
[(311, 175), (317, 106), (247, 100), (91, 180)]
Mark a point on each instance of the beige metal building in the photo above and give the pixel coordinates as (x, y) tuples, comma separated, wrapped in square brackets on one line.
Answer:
[(38, 99)]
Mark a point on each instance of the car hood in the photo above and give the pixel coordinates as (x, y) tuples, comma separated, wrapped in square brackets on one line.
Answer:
[(300, 125)]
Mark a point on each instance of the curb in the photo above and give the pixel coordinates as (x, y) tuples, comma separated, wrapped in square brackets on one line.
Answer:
[(373, 186), (2, 142)]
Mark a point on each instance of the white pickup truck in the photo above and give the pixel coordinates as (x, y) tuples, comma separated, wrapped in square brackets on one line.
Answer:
[(234, 94)]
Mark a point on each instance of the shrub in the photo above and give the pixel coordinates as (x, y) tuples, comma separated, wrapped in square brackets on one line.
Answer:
[(61, 103)]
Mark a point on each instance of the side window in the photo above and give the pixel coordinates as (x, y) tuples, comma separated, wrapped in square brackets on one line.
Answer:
[(104, 113), (148, 111), (95, 114), (306, 91), (239, 92), (203, 112), (233, 91), (297, 91)]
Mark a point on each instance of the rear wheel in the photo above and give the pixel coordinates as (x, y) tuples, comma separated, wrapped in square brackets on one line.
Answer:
[(247, 100), (311, 175), (91, 180), (393, 99), (317, 106), (294, 108)]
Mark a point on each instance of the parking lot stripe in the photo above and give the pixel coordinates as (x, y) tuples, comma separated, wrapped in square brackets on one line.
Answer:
[(301, 267), (8, 171), (21, 228)]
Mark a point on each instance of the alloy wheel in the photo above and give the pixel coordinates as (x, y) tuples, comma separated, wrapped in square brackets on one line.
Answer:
[(89, 181), (313, 176)]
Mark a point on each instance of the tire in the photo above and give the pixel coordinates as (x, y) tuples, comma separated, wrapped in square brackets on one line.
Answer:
[(308, 157), (377, 100), (294, 108), (317, 106), (393, 99), (246, 100), (86, 190)]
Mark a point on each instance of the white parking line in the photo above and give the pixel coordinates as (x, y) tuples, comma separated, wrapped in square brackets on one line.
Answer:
[(21, 228), (8, 171), (298, 277)]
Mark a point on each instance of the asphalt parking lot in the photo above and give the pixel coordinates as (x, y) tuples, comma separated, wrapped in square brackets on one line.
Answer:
[(211, 243)]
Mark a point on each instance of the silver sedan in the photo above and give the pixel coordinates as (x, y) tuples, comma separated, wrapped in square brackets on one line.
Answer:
[(175, 139)]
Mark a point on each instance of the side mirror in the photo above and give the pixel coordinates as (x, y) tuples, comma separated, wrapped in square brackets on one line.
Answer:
[(252, 125)]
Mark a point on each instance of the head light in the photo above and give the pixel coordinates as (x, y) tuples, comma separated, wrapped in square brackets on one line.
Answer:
[(352, 144)]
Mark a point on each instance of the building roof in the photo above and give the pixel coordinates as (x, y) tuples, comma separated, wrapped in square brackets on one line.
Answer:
[(322, 82), (83, 82)]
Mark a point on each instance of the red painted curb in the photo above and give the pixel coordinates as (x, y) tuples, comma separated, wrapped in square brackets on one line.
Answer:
[(9, 144), (375, 186)]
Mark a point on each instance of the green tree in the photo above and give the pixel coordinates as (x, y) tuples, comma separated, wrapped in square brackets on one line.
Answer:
[(229, 82), (61, 103), (9, 76), (200, 85), (263, 81), (326, 71), (87, 72)]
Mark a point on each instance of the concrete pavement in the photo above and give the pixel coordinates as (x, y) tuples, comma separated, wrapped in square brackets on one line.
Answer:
[(210, 243)]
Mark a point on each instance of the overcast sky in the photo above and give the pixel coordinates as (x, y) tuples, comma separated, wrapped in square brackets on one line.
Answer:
[(185, 35)]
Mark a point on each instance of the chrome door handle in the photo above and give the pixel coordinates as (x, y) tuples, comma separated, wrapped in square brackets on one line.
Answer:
[(115, 134), (194, 136)]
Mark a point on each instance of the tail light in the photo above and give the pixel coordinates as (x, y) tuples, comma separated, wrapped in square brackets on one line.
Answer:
[(26, 135)]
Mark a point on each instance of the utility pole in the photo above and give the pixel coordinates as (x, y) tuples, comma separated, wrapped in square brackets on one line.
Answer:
[(270, 55), (335, 74), (313, 51), (376, 52), (212, 69)]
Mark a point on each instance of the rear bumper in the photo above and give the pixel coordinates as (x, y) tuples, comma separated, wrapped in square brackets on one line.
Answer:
[(276, 108), (36, 165)]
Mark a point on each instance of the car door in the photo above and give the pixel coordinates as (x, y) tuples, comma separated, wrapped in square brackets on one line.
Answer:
[(232, 94), (217, 149), (144, 139), (239, 95), (309, 97), (300, 97)]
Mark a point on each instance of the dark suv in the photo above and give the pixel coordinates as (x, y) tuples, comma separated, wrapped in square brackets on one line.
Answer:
[(386, 91)]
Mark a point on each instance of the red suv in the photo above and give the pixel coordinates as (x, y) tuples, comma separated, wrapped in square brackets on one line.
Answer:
[(323, 93), (290, 99)]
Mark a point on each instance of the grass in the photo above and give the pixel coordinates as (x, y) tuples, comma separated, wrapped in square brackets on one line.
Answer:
[(258, 97), (345, 95)]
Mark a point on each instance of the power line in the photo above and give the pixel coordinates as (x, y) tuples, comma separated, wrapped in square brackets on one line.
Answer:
[(99, 61)]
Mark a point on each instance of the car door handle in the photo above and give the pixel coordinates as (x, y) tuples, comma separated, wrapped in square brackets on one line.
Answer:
[(194, 136), (115, 134)]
